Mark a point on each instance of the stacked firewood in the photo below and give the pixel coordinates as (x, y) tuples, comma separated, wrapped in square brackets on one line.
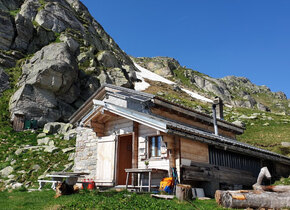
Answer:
[(275, 197)]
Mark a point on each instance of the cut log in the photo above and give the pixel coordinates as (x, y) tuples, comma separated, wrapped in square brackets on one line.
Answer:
[(183, 192), (277, 188), (252, 199)]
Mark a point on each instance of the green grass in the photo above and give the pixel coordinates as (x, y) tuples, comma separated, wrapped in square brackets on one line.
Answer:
[(283, 181), (14, 12), (43, 3), (179, 74), (95, 200), (10, 141), (267, 137)]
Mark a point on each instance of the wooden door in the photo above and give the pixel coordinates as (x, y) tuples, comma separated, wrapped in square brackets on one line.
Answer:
[(106, 160), (124, 158)]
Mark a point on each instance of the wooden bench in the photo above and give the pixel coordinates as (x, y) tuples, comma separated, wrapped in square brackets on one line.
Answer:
[(43, 182)]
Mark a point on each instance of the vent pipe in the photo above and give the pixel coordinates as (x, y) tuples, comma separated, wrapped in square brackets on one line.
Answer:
[(219, 107), (214, 120), (217, 112)]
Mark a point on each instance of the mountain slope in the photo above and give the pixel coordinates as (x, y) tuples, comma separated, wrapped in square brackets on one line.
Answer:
[(235, 91), (63, 55)]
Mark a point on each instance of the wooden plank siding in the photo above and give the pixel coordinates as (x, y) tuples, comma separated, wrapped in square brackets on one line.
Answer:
[(192, 122), (194, 151), (118, 126)]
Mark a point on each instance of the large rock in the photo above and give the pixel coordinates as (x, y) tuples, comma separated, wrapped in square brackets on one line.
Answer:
[(285, 144), (43, 141), (4, 81), (57, 17), (24, 28), (6, 31), (107, 59), (47, 77), (29, 9), (52, 68), (7, 5), (262, 107), (57, 128), (5, 172), (163, 66)]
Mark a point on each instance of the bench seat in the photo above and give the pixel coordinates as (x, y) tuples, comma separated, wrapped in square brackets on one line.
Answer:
[(43, 182)]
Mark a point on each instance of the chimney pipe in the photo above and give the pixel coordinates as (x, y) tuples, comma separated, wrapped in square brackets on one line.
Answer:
[(219, 107), (214, 119)]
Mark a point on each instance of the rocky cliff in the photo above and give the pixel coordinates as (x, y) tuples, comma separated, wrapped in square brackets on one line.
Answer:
[(63, 53), (235, 91)]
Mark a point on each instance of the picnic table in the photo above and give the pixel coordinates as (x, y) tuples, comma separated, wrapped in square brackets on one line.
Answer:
[(70, 178)]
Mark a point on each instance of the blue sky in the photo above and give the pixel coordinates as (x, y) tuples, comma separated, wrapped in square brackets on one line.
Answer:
[(249, 38)]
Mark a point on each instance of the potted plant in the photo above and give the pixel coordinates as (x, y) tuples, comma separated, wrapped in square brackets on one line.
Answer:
[(146, 163)]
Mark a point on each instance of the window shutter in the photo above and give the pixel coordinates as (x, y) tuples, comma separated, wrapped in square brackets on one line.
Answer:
[(143, 150), (163, 148), (147, 147)]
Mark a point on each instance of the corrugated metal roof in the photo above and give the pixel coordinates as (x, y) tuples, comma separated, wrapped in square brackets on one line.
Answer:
[(227, 141)]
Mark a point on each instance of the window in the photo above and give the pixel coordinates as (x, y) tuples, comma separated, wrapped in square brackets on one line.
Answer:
[(155, 146)]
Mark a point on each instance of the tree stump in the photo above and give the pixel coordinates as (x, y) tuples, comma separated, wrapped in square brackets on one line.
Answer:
[(183, 192)]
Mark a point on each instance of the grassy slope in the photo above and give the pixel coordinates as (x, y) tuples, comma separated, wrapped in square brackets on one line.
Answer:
[(95, 200), (267, 131), (10, 141)]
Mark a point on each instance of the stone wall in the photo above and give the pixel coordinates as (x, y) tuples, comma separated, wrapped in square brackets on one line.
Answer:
[(86, 152)]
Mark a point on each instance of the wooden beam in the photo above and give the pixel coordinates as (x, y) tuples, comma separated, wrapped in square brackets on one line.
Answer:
[(98, 125), (135, 148), (106, 118), (110, 114)]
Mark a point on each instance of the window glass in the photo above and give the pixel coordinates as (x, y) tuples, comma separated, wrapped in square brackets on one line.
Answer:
[(159, 146), (155, 146), (153, 149)]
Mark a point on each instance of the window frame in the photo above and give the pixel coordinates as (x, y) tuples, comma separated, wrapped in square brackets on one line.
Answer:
[(157, 151)]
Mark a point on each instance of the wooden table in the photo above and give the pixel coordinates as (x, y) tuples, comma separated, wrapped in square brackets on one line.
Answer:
[(139, 172)]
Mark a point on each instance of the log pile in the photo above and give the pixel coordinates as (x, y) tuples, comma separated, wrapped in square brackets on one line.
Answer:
[(275, 197)]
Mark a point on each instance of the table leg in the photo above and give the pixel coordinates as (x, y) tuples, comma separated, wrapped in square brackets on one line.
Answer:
[(127, 179), (149, 189), (141, 182), (139, 179)]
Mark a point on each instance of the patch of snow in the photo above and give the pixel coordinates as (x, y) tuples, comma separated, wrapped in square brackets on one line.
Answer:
[(197, 96), (140, 86), (145, 73)]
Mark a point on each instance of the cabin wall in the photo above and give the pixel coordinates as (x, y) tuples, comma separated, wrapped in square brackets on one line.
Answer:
[(118, 126), (193, 151), (86, 152), (192, 122), (282, 170)]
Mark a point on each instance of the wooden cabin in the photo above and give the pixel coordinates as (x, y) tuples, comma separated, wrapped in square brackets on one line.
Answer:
[(119, 128)]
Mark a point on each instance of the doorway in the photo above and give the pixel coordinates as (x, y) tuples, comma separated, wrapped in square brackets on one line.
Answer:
[(124, 158)]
